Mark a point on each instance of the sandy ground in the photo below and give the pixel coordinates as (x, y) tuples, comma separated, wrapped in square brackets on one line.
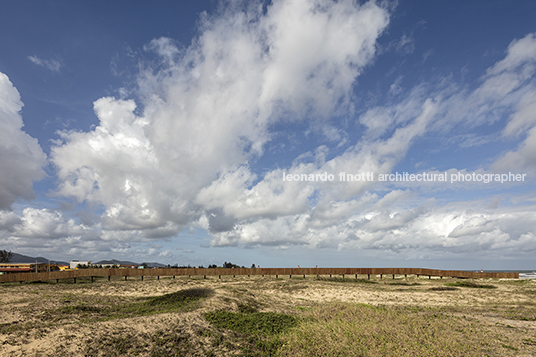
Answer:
[(33, 304)]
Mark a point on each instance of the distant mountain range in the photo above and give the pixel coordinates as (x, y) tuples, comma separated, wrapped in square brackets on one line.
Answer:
[(20, 258)]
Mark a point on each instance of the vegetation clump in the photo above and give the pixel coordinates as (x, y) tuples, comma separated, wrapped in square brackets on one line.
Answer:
[(443, 288), (346, 280), (119, 342), (260, 331), (179, 299), (252, 323), (471, 284), (404, 283)]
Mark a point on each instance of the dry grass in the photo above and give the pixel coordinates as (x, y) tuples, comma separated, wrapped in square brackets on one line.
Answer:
[(269, 317), (364, 330)]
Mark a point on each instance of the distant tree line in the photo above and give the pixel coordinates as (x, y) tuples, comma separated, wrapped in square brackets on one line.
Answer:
[(88, 266), (5, 256), (227, 265)]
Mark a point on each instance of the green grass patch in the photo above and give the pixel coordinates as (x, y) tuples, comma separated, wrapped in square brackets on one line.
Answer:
[(74, 309), (290, 287), (258, 332), (443, 288), (256, 323), (302, 308), (120, 342), (11, 327), (403, 283), (346, 280), (471, 284), (247, 308), (510, 347)]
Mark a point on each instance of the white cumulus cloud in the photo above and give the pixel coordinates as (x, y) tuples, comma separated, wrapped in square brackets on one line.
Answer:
[(208, 110), (21, 156)]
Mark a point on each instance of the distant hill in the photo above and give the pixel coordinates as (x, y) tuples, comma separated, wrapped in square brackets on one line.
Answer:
[(114, 261), (20, 258)]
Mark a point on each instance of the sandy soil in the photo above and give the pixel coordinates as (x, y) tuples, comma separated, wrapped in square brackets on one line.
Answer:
[(32, 306)]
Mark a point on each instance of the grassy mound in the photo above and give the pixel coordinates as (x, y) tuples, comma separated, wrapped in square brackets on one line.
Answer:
[(183, 300)]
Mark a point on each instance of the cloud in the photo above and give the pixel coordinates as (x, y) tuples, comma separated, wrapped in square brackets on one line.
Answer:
[(519, 67), (52, 65), (406, 45), (272, 197), (21, 157), (8, 220), (521, 54), (521, 160), (46, 224), (429, 230), (182, 151), (351, 215)]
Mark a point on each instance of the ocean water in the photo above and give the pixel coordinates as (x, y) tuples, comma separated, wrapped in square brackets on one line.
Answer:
[(527, 274), (523, 274)]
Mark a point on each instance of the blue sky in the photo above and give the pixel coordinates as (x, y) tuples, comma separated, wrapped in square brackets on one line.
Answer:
[(161, 131)]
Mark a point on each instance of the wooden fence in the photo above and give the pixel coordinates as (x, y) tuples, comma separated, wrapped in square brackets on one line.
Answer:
[(126, 273)]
